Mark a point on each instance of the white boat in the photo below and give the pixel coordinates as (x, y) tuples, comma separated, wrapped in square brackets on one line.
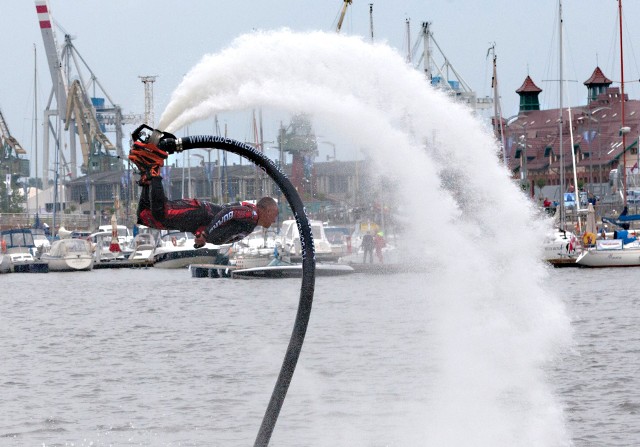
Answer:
[(289, 242), (255, 250), (560, 248), (102, 248), (144, 245), (620, 252), (18, 246), (69, 255), (282, 269), (125, 238), (176, 250)]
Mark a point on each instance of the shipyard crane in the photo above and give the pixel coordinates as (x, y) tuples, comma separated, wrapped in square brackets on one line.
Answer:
[(87, 118), (58, 90), (342, 14), (444, 75), (92, 140), (10, 151), (9, 143)]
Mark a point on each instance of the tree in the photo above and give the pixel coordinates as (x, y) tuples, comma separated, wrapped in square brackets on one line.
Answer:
[(11, 200)]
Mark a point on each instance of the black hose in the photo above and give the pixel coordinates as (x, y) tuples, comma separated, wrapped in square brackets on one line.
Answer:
[(308, 263)]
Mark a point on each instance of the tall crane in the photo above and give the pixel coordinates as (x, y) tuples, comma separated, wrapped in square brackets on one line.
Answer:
[(59, 89), (89, 131), (444, 75), (10, 151), (86, 118), (342, 14)]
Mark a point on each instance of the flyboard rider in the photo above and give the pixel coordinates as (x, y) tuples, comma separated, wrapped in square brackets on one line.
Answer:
[(209, 222)]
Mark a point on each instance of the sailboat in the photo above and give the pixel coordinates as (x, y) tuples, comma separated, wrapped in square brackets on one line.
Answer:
[(560, 246), (624, 249)]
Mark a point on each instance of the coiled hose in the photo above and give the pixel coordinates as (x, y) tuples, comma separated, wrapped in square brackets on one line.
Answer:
[(307, 287)]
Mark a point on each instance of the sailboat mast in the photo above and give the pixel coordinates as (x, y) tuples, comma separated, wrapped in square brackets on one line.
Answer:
[(623, 131), (560, 123), (35, 124), (498, 125)]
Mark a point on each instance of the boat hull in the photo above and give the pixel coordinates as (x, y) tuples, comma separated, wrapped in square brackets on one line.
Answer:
[(176, 259), (70, 263), (291, 271), (610, 258)]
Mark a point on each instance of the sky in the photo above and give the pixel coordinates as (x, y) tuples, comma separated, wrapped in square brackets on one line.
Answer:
[(124, 39)]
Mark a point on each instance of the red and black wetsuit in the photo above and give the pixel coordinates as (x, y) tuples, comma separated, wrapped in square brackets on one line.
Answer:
[(222, 223)]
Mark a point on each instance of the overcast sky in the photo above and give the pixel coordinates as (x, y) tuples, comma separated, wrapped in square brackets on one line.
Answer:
[(123, 39)]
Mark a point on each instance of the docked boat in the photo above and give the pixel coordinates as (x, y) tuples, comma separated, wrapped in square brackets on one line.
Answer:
[(560, 248), (175, 250), (103, 249), (18, 246), (69, 255), (258, 249), (281, 269), (144, 245), (289, 242), (622, 251)]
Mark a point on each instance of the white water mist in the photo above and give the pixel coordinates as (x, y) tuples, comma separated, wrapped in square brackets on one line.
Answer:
[(494, 326)]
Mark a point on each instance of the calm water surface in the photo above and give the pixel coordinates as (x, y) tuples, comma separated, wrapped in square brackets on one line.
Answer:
[(155, 357)]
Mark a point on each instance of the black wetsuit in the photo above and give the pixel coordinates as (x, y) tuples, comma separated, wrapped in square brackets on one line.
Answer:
[(222, 223)]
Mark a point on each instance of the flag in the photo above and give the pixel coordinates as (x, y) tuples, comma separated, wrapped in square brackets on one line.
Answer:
[(7, 183)]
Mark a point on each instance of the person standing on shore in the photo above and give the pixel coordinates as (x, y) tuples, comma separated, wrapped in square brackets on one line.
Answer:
[(367, 246)]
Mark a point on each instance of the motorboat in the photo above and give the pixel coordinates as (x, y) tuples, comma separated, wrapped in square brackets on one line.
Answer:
[(69, 255), (18, 246), (125, 238), (290, 247), (102, 247), (144, 245), (175, 250), (256, 250)]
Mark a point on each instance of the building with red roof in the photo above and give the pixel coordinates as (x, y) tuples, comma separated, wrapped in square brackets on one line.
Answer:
[(538, 149)]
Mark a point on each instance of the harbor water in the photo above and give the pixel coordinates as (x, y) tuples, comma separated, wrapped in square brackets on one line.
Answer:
[(488, 348), (152, 357)]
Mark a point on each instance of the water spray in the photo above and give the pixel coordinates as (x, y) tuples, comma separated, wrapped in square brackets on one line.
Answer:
[(169, 143)]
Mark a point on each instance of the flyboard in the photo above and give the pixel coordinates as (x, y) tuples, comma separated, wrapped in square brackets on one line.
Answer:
[(281, 269), (171, 144)]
